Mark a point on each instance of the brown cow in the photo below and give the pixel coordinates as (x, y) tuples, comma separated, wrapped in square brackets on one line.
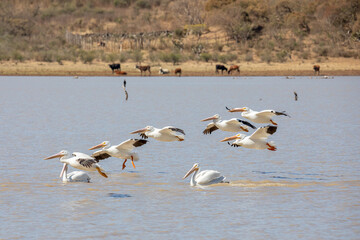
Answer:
[(234, 67), (143, 69), (118, 72), (316, 69), (178, 71)]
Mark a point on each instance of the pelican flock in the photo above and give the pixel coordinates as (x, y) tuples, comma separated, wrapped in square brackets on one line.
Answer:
[(124, 150)]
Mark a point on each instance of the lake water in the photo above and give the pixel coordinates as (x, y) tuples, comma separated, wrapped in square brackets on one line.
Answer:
[(308, 189)]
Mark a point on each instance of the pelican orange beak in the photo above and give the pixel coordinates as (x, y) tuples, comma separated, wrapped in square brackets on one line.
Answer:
[(229, 138), (58, 155), (63, 170), (194, 168), (237, 110), (139, 131), (210, 118), (97, 146)]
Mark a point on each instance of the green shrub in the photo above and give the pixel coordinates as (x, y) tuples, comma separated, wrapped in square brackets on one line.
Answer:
[(206, 57), (87, 57), (266, 56), (282, 56), (137, 56), (17, 56), (249, 57), (222, 58), (122, 3), (143, 4)]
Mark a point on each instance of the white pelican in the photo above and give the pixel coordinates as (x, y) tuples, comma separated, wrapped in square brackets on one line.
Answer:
[(258, 117), (165, 134), (205, 177), (78, 160), (232, 125), (257, 140), (75, 176), (124, 150)]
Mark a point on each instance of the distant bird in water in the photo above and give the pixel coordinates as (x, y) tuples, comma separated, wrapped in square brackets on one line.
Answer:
[(126, 93), (296, 96)]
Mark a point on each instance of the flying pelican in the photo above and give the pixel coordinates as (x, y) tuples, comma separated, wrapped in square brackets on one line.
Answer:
[(205, 177), (257, 140), (79, 160), (258, 117), (75, 176), (165, 134), (124, 150), (232, 125)]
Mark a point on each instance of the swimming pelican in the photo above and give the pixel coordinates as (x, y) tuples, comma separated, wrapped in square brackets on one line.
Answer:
[(165, 134), (205, 177), (257, 140), (79, 160), (232, 125), (258, 117), (124, 150), (75, 176)]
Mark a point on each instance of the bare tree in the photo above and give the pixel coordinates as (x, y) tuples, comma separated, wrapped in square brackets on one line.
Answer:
[(189, 11)]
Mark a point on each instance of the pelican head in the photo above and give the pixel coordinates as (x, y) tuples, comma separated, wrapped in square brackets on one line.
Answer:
[(101, 145), (215, 117), (235, 137), (143, 130), (194, 168), (60, 154)]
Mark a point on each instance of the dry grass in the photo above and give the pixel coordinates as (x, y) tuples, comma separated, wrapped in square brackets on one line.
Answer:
[(330, 67)]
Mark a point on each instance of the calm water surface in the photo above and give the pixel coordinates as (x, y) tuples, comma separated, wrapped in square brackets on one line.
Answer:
[(308, 189)]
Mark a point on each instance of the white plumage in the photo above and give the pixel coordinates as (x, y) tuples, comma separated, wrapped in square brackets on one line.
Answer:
[(232, 125), (206, 177), (79, 160), (124, 150), (258, 117), (255, 141), (165, 134)]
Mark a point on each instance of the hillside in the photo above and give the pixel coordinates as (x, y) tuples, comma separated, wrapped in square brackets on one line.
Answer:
[(177, 31)]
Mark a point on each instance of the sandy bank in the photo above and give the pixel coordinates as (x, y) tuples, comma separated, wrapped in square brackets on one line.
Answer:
[(330, 67)]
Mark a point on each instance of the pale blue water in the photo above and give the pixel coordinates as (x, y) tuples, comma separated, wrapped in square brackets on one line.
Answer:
[(308, 189)]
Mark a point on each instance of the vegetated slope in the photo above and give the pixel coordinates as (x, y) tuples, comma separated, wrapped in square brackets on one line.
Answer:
[(178, 30)]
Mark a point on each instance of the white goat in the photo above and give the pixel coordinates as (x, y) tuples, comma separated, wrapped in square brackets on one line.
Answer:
[(163, 71)]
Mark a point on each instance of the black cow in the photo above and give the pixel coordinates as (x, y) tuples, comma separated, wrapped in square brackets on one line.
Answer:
[(316, 69), (115, 66), (220, 67)]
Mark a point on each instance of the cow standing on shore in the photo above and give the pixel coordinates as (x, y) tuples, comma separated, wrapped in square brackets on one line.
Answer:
[(220, 67), (143, 69), (316, 69), (115, 66), (234, 68), (177, 71)]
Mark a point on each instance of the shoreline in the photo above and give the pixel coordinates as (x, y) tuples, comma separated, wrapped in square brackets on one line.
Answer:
[(330, 67)]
